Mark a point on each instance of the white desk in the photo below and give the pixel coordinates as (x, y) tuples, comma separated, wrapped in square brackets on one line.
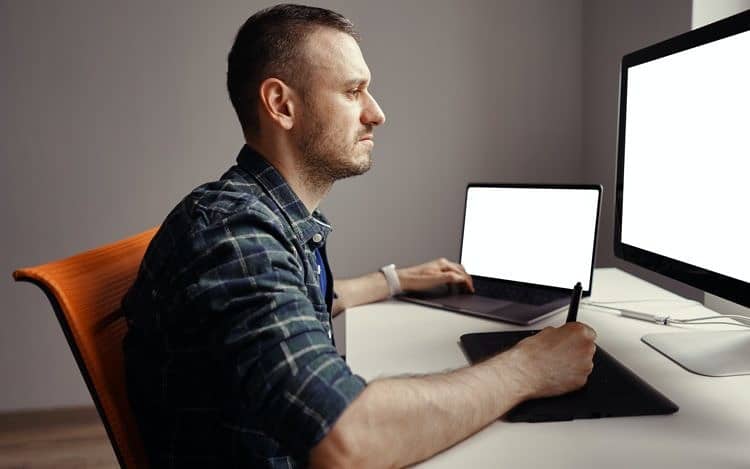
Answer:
[(711, 429)]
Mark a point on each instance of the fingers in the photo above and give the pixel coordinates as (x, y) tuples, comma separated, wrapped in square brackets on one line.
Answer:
[(461, 275), (587, 344), (434, 273), (451, 277), (586, 330)]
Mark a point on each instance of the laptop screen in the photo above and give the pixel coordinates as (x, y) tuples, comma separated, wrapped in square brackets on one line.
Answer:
[(538, 235)]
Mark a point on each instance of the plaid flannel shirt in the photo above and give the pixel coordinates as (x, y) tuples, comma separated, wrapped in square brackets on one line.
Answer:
[(229, 353)]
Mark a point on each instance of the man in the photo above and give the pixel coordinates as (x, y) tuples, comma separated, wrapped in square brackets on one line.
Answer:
[(229, 354)]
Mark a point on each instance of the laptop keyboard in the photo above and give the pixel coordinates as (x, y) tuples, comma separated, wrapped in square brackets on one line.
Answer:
[(519, 294)]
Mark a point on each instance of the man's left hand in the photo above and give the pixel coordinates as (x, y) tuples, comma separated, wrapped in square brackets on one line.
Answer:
[(432, 274)]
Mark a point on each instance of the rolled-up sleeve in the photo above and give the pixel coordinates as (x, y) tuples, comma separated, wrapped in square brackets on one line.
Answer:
[(275, 353)]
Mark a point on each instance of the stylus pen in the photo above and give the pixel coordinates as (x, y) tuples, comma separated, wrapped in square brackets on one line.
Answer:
[(575, 300)]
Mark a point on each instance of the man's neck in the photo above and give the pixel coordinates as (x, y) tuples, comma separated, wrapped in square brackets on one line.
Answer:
[(310, 191)]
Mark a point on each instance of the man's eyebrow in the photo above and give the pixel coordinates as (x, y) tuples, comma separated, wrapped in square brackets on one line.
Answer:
[(356, 82)]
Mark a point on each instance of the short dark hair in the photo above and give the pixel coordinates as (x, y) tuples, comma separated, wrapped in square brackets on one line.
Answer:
[(269, 44)]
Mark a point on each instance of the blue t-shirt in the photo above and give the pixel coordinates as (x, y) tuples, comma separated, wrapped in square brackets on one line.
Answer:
[(322, 276)]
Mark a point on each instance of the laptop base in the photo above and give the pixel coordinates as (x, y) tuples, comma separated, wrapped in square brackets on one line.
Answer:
[(491, 308)]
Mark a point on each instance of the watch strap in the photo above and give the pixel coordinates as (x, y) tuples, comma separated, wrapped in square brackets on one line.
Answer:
[(391, 277)]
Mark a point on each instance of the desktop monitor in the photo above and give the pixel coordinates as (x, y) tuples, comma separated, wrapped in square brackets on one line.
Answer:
[(683, 163)]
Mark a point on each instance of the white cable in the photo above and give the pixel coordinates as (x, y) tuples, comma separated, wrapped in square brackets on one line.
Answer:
[(710, 322), (598, 305), (667, 320), (654, 300), (736, 317)]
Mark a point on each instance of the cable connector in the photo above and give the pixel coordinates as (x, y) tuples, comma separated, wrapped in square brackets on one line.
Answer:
[(657, 318)]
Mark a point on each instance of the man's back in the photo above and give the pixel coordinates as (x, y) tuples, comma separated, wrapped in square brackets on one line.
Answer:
[(229, 357)]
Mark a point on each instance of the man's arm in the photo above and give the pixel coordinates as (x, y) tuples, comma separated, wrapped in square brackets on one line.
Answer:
[(373, 287), (362, 290), (400, 421), (273, 354)]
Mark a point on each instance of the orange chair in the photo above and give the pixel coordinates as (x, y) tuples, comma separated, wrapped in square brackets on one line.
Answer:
[(85, 291)]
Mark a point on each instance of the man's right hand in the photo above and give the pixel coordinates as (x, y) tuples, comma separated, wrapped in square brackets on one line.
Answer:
[(397, 422), (555, 360)]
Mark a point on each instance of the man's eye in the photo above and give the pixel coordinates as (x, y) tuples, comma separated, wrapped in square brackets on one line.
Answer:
[(355, 92)]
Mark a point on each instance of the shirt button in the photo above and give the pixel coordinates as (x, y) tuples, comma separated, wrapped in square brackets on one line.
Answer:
[(317, 237)]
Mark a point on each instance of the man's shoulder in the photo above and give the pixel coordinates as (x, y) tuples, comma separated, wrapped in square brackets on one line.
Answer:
[(234, 208), (211, 232), (232, 196)]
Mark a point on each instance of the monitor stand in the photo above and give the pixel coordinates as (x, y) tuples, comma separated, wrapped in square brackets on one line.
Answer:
[(708, 353)]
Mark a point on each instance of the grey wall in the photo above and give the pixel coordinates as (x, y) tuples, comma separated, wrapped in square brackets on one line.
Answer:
[(112, 111), (611, 29)]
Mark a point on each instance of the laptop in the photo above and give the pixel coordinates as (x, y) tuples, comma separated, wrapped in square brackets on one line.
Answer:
[(612, 390), (525, 246)]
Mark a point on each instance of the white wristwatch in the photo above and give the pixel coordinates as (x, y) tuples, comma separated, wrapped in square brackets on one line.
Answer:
[(391, 277)]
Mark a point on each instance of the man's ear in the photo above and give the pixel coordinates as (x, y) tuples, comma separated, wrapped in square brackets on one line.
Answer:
[(277, 102)]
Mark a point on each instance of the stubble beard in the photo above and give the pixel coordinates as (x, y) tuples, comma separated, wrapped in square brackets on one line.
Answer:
[(326, 158)]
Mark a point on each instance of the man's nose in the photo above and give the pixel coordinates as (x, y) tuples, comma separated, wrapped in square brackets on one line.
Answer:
[(372, 114)]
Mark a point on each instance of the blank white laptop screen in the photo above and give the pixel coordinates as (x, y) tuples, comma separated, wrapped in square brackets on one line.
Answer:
[(687, 157), (542, 236)]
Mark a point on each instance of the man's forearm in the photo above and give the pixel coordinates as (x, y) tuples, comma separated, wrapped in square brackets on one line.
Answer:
[(400, 421), (374, 287), (359, 291)]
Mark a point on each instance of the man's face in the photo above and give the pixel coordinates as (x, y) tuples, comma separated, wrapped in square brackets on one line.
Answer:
[(335, 129)]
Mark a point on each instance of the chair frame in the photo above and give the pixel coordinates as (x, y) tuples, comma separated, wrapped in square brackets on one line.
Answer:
[(60, 314), (127, 456)]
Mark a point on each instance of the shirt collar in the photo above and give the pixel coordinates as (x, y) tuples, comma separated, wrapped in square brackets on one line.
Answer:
[(305, 225)]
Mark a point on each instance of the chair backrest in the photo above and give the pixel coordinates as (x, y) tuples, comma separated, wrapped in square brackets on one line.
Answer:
[(85, 291)]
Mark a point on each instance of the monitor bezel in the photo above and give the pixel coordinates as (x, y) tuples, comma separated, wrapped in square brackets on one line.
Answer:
[(732, 289), (597, 187)]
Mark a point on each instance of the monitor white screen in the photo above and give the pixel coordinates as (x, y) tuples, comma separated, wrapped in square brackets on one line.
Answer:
[(687, 157), (541, 236)]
